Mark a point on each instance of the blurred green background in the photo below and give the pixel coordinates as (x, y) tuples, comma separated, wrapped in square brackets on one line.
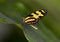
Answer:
[(13, 11)]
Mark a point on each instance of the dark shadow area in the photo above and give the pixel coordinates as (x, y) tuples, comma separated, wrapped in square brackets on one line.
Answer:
[(14, 34)]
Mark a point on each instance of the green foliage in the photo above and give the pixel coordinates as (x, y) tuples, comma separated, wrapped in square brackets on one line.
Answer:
[(13, 11)]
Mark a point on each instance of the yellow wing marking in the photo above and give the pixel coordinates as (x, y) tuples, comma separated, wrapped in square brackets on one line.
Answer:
[(43, 11), (39, 13), (29, 20), (35, 16)]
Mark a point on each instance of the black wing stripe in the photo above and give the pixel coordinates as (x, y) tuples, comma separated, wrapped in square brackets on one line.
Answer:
[(31, 22), (35, 13), (42, 12)]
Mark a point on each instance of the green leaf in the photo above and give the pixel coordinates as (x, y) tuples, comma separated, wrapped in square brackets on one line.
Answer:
[(11, 33), (48, 28)]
